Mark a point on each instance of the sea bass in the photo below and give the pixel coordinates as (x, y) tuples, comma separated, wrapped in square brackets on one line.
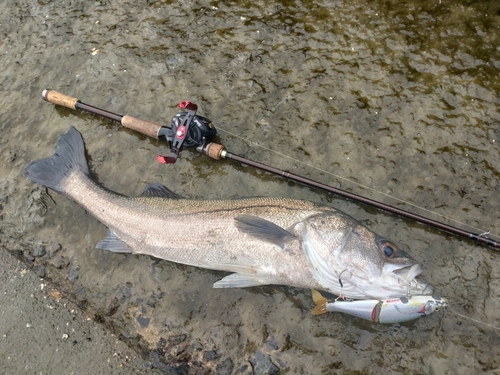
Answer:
[(259, 240)]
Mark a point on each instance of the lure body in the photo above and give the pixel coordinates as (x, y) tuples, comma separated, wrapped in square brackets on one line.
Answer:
[(394, 310)]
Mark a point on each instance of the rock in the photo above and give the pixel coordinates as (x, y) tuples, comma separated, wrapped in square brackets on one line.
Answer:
[(271, 344), (177, 339), (73, 273), (40, 271), (143, 321), (80, 293), (157, 362), (113, 307), (126, 292), (210, 355), (245, 369), (225, 367), (38, 250), (30, 259), (262, 364), (60, 262), (52, 248)]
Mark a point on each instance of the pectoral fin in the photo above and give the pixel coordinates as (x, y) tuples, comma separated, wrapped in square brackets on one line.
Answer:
[(320, 302), (263, 230), (113, 243)]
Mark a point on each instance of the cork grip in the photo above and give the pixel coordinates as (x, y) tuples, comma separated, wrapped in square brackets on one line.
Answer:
[(55, 97), (145, 127), (214, 150)]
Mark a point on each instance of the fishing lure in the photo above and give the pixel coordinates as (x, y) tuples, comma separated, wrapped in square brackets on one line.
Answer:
[(394, 310)]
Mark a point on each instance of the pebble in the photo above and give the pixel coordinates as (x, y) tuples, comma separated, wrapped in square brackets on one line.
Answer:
[(262, 364)]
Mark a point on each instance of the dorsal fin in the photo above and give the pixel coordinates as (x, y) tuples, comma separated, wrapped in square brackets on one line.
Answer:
[(263, 229), (159, 191)]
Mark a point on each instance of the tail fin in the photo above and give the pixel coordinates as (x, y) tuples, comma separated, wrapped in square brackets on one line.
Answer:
[(320, 302), (69, 156)]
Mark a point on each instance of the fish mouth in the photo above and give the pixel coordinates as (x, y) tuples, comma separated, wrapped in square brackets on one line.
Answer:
[(412, 275), (396, 280), (428, 290), (405, 271)]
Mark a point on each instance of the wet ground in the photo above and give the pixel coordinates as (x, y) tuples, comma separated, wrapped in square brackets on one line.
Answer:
[(44, 333), (397, 101)]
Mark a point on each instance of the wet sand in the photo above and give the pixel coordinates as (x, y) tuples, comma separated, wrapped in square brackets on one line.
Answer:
[(395, 101), (43, 333)]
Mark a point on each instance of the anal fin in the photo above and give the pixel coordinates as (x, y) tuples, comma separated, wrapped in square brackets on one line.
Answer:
[(240, 280), (113, 243)]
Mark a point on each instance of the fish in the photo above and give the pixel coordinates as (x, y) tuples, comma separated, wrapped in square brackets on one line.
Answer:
[(393, 310), (258, 240)]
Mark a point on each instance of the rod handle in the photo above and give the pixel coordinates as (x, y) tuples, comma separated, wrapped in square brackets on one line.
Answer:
[(148, 128), (213, 150), (55, 97)]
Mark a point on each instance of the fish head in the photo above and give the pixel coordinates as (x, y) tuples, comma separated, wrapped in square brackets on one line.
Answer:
[(349, 259)]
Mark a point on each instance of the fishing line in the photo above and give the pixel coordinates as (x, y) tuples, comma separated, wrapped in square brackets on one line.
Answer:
[(253, 143), (474, 320)]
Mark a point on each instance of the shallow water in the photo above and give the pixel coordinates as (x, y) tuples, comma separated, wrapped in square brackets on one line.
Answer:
[(395, 101)]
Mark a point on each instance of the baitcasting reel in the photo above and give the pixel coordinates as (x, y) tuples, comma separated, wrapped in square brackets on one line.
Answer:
[(187, 130)]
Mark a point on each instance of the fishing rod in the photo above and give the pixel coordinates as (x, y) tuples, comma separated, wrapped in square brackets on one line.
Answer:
[(193, 131)]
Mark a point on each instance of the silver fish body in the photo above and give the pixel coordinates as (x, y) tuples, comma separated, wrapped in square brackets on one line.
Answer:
[(260, 240)]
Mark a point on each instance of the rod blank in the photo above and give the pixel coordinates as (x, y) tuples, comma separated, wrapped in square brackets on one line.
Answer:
[(483, 239), (217, 152)]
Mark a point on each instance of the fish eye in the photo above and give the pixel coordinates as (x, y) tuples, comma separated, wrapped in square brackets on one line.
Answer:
[(389, 249)]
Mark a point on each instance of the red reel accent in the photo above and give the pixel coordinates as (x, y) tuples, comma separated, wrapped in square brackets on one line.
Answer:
[(188, 105)]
